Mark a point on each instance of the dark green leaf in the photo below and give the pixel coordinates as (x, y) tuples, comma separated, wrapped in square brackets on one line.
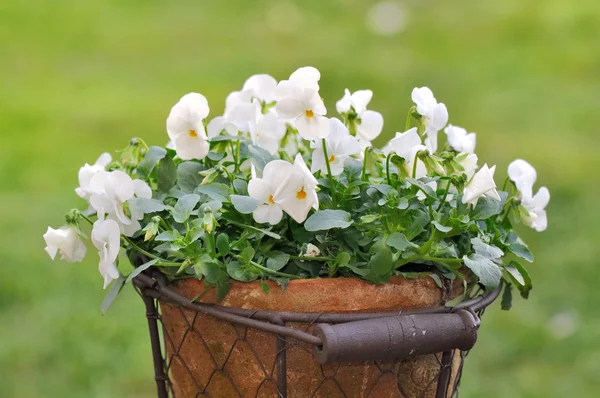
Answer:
[(506, 302), (241, 272), (148, 206), (167, 236), (381, 261), (215, 191), (521, 251), (166, 174), (427, 190), (112, 294), (259, 156), (277, 260), (521, 277), (417, 225), (264, 287), (188, 176), (437, 280), (398, 241), (246, 255), (440, 227), (342, 259), (184, 207), (223, 244), (326, 219), (244, 204), (488, 272), (486, 207), (140, 269), (154, 154)]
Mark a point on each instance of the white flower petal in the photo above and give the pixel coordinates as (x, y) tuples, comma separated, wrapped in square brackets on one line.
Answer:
[(263, 85), (259, 189), (523, 175), (312, 128), (344, 104), (104, 160), (404, 142), (290, 108), (360, 100), (307, 77), (371, 124), (189, 147)]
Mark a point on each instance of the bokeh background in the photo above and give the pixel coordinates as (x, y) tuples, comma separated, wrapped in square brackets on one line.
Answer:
[(81, 77)]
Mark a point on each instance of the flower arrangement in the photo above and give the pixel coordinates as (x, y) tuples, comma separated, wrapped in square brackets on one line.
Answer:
[(274, 189)]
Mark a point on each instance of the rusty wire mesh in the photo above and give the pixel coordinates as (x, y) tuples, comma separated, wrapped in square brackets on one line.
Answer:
[(197, 355)]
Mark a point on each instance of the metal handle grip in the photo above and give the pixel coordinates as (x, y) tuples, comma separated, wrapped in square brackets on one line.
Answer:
[(396, 337)]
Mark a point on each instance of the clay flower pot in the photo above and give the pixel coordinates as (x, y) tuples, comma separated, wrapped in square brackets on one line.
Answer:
[(209, 357)]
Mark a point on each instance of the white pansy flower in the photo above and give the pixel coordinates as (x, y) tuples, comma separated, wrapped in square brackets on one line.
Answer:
[(460, 140), (435, 115), (109, 193), (65, 241), (469, 164), (268, 132), (481, 184), (297, 193), (299, 102), (407, 145), (536, 206), (369, 123), (523, 175), (265, 188), (185, 126), (312, 251), (340, 146), (106, 236), (87, 172)]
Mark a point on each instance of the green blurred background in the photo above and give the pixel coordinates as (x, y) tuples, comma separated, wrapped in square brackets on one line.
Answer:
[(81, 77)]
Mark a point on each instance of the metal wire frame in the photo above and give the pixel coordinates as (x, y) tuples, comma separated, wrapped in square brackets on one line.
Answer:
[(153, 287)]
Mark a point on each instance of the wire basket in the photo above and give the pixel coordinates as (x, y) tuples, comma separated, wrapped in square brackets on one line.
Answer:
[(296, 355)]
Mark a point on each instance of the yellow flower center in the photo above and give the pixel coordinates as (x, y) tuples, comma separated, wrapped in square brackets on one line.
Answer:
[(309, 114), (331, 158), (193, 133), (301, 194), (270, 200)]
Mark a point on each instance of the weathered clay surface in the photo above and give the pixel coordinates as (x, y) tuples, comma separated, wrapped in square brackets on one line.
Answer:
[(212, 358)]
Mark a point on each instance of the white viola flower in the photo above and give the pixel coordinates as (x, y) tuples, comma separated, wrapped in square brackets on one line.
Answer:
[(482, 184), (65, 241), (87, 172), (265, 188), (523, 175), (407, 145), (185, 126), (299, 102), (297, 193), (340, 146), (110, 192), (435, 115), (460, 140), (369, 123), (469, 164), (536, 207), (312, 251), (432, 185), (261, 87), (106, 236), (268, 132)]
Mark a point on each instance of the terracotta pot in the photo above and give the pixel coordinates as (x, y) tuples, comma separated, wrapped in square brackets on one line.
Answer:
[(209, 357)]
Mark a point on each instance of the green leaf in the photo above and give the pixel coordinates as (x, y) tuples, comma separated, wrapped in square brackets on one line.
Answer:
[(485, 250), (369, 218), (264, 287), (223, 244), (112, 294), (240, 186), (381, 262), (343, 259), (153, 156), (440, 227), (244, 204), (215, 191), (488, 272), (188, 176), (521, 277), (427, 190), (241, 272), (418, 223), (521, 251), (148, 206), (263, 231), (437, 280), (227, 138), (398, 241), (166, 174), (140, 269), (246, 255), (184, 207), (506, 302), (486, 207), (259, 156), (277, 260), (326, 219), (167, 236)]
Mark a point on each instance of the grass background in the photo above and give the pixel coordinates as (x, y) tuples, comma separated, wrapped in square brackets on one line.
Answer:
[(81, 77)]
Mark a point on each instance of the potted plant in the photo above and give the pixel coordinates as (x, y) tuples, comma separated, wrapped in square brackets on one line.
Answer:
[(274, 206)]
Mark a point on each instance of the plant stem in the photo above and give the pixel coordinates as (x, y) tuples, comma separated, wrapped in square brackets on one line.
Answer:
[(445, 195), (414, 170), (304, 258), (363, 176), (86, 218), (505, 184), (387, 168), (237, 157), (162, 261), (444, 260), (408, 118), (331, 182), (269, 270)]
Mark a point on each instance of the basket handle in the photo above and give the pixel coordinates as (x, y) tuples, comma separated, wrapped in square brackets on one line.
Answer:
[(397, 337)]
